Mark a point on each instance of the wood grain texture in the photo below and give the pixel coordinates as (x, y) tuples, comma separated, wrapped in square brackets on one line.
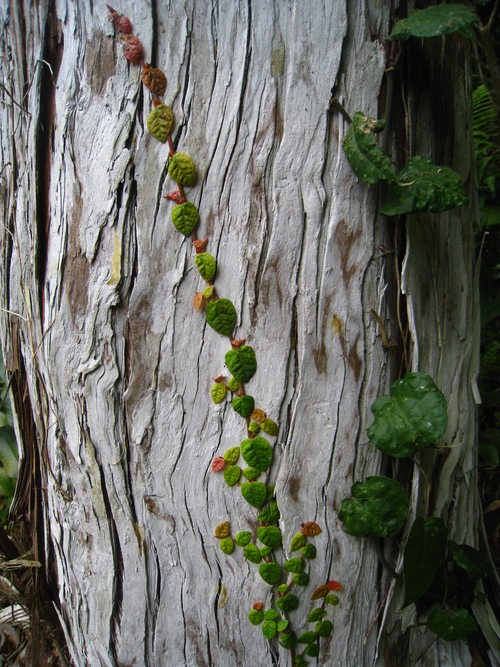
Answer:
[(120, 365)]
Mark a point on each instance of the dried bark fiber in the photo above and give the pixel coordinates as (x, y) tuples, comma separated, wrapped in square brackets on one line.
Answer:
[(119, 366)]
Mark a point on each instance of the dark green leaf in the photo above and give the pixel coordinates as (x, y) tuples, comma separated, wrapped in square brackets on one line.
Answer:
[(469, 561), (424, 186), (206, 265), (269, 535), (423, 553), (414, 418), (288, 602), (451, 624), (332, 599), (242, 363), (306, 637), (244, 405), (324, 628), (270, 514), (256, 616), (257, 452), (221, 316), (294, 565), (309, 551), (312, 650), (265, 551), (368, 161), (316, 615), (379, 507), (270, 572), (254, 493), (436, 21), (287, 640), (301, 579)]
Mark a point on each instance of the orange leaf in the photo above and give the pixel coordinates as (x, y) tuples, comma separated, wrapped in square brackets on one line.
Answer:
[(198, 300), (334, 585), (218, 464), (258, 416), (320, 592), (310, 529), (257, 606)]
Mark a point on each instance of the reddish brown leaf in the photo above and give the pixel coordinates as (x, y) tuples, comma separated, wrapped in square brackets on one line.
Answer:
[(218, 464), (310, 529), (154, 79), (257, 606), (258, 416), (334, 585), (320, 592), (133, 49)]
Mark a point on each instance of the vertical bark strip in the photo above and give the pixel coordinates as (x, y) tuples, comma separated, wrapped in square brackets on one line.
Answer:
[(119, 366)]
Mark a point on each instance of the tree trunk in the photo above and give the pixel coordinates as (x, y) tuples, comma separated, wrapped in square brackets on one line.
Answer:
[(97, 305)]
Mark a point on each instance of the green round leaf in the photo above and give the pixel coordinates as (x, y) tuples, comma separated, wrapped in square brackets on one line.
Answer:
[(306, 637), (208, 291), (271, 614), (257, 452), (232, 474), (227, 545), (368, 161), (379, 507), (254, 427), (289, 602), (282, 624), (324, 628), (424, 550), (332, 599), (294, 565), (270, 572), (181, 169), (159, 122), (256, 616), (451, 624), (301, 579), (283, 588), (436, 21), (185, 218), (218, 392), (270, 514), (252, 553), (243, 538), (414, 418), (269, 629), (243, 405), (254, 493), (309, 551), (221, 316), (206, 265), (265, 551), (312, 650), (270, 427), (298, 541), (270, 536), (251, 473), (234, 385), (232, 455), (316, 615), (287, 640), (242, 362)]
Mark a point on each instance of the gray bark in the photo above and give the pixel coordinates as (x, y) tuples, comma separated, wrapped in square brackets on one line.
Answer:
[(119, 365)]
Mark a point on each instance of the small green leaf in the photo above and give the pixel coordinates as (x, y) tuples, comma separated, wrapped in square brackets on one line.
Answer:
[(241, 362), (287, 640), (283, 588), (269, 629), (233, 384), (451, 624), (324, 628), (221, 316), (181, 169), (254, 493), (414, 418), (232, 475), (7, 485), (270, 514), (298, 541), (436, 21), (379, 507), (301, 579), (312, 650), (208, 291), (424, 550), (306, 637), (256, 616), (206, 265), (254, 427), (270, 427), (332, 599), (309, 551), (271, 614), (300, 661), (252, 553), (251, 473), (282, 624), (470, 561), (218, 392), (270, 536), (270, 492), (265, 551), (243, 405), (159, 122), (289, 602), (232, 455), (316, 615), (227, 545), (368, 161), (257, 452), (270, 572), (185, 218), (243, 538), (294, 565)]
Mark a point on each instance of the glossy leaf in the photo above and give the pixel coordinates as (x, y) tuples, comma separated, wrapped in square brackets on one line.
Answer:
[(252, 553), (185, 218), (243, 405), (424, 550), (221, 316), (232, 475), (243, 538), (270, 427), (436, 21), (232, 455), (206, 265), (257, 452), (269, 629), (242, 363), (254, 493), (289, 602), (256, 616), (451, 624), (298, 541), (368, 161), (222, 530), (270, 572), (424, 186), (159, 122), (218, 392), (412, 418), (270, 536), (181, 169), (379, 507)]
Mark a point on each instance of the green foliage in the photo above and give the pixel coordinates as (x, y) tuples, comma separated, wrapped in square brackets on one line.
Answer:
[(232, 455), (289, 602), (242, 363), (270, 514), (221, 316), (301, 579), (424, 186), (243, 538), (206, 265), (251, 473), (308, 551), (424, 551), (294, 565), (367, 159), (298, 541), (270, 572), (324, 628), (227, 545), (185, 218), (252, 553), (451, 624), (316, 615), (414, 418), (159, 122), (270, 536), (269, 629), (256, 616), (379, 507), (436, 21), (257, 453), (485, 132), (218, 392), (270, 427), (9, 456), (181, 169), (254, 493), (232, 475), (243, 405)]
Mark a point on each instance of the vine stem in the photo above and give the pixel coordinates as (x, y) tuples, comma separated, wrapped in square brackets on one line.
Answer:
[(427, 504), (383, 560)]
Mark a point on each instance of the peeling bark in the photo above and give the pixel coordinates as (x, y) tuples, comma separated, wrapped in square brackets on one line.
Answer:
[(119, 366)]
